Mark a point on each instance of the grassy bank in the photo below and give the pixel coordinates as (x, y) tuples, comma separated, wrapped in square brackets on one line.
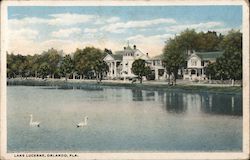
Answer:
[(62, 84)]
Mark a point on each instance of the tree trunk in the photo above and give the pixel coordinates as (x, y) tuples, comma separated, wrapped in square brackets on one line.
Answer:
[(169, 78), (140, 79), (66, 77)]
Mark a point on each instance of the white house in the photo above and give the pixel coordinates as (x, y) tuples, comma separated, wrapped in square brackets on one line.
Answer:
[(120, 63), (197, 63)]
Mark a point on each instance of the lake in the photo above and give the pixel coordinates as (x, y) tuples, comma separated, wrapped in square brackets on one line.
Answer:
[(122, 120)]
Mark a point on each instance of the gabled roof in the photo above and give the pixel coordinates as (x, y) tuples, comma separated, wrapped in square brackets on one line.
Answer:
[(209, 55)]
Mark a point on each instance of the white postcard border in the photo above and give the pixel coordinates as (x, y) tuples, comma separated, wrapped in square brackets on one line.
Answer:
[(153, 155)]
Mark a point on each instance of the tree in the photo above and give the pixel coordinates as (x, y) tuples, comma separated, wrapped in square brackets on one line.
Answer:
[(140, 69), (188, 40), (44, 70), (99, 68), (87, 60), (67, 66), (53, 57), (173, 57), (232, 56), (229, 65), (208, 42)]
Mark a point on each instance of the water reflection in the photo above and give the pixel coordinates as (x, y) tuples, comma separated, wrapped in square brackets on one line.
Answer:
[(80, 87), (222, 104), (176, 102), (172, 102), (137, 95)]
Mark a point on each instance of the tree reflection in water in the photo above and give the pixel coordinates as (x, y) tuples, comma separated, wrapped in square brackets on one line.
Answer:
[(177, 102)]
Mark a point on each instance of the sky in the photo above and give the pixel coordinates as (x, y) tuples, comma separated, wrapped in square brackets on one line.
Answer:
[(34, 29)]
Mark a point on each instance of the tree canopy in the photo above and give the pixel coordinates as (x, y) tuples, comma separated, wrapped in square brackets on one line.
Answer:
[(228, 66), (140, 69)]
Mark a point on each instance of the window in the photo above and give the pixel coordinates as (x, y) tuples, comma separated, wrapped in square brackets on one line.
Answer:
[(193, 62)]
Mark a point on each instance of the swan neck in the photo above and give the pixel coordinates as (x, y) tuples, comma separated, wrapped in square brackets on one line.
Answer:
[(31, 119), (85, 120)]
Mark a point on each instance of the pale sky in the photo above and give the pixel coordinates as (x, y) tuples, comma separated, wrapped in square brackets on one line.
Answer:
[(35, 29)]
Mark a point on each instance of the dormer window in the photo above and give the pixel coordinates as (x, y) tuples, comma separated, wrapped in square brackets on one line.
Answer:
[(193, 62)]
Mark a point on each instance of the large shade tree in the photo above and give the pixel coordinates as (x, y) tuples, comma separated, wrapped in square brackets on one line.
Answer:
[(88, 61), (67, 66), (229, 65), (173, 57), (140, 68)]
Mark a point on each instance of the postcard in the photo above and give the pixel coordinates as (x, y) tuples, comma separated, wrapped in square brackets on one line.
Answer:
[(124, 79)]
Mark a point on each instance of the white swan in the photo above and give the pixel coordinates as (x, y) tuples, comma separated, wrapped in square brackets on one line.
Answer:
[(34, 124), (84, 123)]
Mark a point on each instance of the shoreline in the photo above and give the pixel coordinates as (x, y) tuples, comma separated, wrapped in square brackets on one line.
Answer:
[(147, 85)]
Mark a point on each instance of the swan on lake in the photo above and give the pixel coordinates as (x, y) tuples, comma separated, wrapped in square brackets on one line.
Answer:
[(34, 123), (84, 123)]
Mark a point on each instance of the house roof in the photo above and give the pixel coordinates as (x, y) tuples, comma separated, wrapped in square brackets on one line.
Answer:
[(117, 55), (209, 55), (158, 57)]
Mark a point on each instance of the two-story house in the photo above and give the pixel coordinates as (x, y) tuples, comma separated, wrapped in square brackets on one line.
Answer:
[(120, 63), (197, 63)]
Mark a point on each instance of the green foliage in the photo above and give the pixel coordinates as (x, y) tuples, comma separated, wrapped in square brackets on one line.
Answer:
[(140, 69), (52, 57), (44, 70), (229, 66), (188, 40), (86, 60), (67, 66), (173, 56), (100, 67), (208, 42)]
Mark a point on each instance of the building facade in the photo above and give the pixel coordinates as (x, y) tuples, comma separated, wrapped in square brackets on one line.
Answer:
[(120, 63), (197, 63)]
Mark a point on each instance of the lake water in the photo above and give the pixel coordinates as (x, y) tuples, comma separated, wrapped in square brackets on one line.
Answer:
[(122, 120)]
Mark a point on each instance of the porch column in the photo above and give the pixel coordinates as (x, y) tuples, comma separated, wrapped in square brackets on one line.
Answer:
[(156, 74), (111, 71), (115, 74), (165, 74)]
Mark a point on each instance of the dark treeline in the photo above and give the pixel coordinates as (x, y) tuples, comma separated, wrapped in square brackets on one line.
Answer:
[(83, 63), (227, 67)]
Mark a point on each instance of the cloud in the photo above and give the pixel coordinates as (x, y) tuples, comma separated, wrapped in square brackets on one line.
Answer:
[(64, 33), (23, 33), (136, 24), (65, 19), (69, 19), (24, 22), (150, 44), (197, 26), (90, 30), (113, 19)]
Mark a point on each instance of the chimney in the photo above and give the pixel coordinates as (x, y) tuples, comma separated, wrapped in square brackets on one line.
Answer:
[(134, 46), (189, 52)]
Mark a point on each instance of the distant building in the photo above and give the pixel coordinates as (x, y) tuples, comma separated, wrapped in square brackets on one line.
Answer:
[(197, 63), (120, 63)]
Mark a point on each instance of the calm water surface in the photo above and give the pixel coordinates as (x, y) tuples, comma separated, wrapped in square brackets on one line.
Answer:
[(122, 120)]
